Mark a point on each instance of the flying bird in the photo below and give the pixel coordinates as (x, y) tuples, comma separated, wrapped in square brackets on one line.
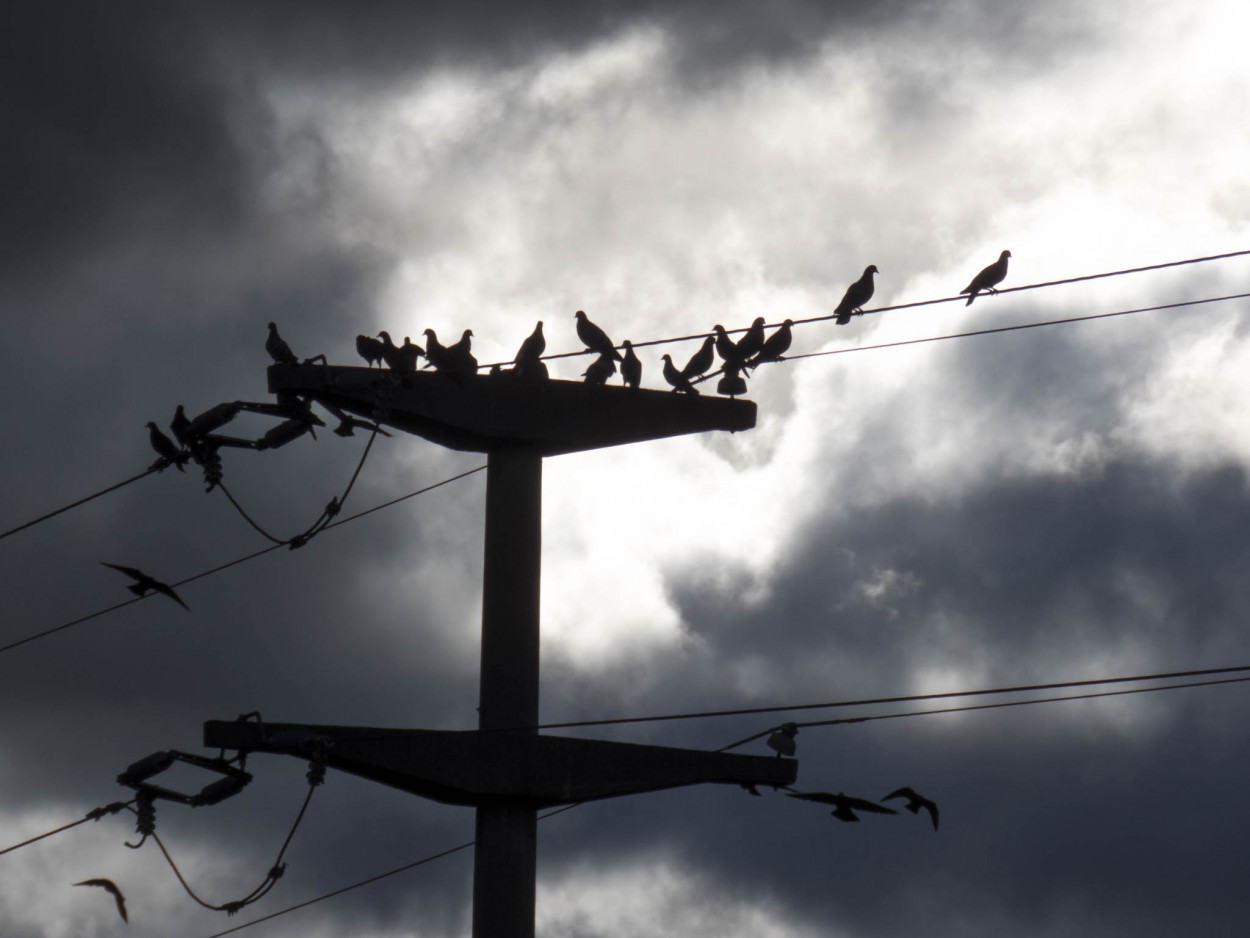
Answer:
[(277, 348), (701, 360), (844, 806), (675, 378), (987, 279), (600, 370), (631, 367), (916, 801), (164, 446), (111, 887), (594, 338), (370, 349), (776, 345), (144, 584), (857, 294)]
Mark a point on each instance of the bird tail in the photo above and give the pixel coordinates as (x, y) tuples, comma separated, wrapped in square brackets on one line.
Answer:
[(971, 297)]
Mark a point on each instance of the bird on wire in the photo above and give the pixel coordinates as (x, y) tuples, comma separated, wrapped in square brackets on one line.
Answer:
[(594, 338), (600, 370), (916, 802), (631, 367), (727, 348), (533, 347), (776, 345), (988, 278), (844, 806), (701, 361), (144, 584), (277, 348), (370, 349), (857, 294), (675, 378), (752, 341), (169, 452), (111, 887), (181, 426)]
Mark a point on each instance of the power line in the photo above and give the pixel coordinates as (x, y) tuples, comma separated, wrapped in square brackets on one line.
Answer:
[(919, 303), (235, 562), (93, 815), (865, 719), (82, 501)]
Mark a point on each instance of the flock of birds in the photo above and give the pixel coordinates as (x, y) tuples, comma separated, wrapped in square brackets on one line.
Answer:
[(738, 357)]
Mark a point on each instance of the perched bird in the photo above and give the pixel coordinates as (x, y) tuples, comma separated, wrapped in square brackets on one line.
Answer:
[(164, 446), (857, 294), (435, 351), (776, 345), (143, 584), (752, 341), (675, 378), (844, 806), (781, 740), (727, 348), (181, 426), (407, 355), (277, 348), (532, 348), (370, 349), (594, 338), (600, 370), (459, 358), (701, 360), (987, 279), (916, 801), (111, 887), (388, 351), (631, 367)]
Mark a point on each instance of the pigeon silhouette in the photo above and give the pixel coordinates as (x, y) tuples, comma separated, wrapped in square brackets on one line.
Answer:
[(987, 279), (111, 887), (436, 352), (916, 801), (277, 348), (776, 345), (165, 447), (600, 370), (594, 338), (144, 584), (857, 294), (533, 347), (631, 367), (701, 360), (844, 806), (181, 426), (675, 378), (752, 341), (370, 349)]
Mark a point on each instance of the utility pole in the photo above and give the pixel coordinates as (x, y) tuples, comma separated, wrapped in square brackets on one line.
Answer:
[(506, 770)]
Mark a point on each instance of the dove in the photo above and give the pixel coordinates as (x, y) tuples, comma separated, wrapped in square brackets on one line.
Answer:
[(752, 341), (844, 806), (631, 367), (143, 584), (435, 352), (459, 358), (165, 447), (776, 345), (369, 348), (781, 740), (726, 348), (701, 360), (594, 338), (533, 347), (111, 887), (674, 377), (600, 370), (916, 801), (987, 279), (181, 425), (857, 294), (277, 348)]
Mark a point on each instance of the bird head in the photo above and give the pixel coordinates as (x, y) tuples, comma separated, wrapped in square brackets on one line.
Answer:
[(718, 329), (580, 314), (384, 335), (758, 321), (467, 333), (871, 269), (273, 327), (428, 333), (1004, 255)]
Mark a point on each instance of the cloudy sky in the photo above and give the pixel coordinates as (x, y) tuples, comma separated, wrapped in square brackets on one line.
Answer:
[(1045, 505)]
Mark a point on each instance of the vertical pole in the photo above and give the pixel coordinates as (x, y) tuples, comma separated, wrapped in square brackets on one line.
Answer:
[(504, 865)]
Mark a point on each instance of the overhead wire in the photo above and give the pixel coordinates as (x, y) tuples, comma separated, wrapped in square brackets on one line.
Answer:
[(93, 815), (846, 720), (156, 467), (235, 562)]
